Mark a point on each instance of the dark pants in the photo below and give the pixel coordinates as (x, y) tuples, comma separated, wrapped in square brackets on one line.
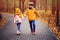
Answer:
[(18, 26), (32, 25)]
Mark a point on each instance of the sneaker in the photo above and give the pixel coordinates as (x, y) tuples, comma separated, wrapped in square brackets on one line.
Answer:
[(34, 33), (18, 32)]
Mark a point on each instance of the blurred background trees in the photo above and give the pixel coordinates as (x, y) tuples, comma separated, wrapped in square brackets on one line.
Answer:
[(0, 16)]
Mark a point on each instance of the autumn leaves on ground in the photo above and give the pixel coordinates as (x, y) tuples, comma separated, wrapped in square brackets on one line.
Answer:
[(50, 19), (46, 17), (2, 21)]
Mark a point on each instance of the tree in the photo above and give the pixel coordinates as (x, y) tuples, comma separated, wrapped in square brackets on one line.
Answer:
[(57, 15), (0, 16), (53, 7)]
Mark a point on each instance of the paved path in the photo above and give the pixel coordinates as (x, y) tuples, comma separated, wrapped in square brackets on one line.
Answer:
[(9, 31)]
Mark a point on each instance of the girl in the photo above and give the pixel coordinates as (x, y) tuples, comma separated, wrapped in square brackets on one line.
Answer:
[(18, 19)]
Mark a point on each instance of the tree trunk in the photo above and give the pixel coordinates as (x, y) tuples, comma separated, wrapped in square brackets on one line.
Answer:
[(53, 7), (57, 15), (0, 16)]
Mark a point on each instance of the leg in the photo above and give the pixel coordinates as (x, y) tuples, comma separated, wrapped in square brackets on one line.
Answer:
[(33, 25), (18, 26), (30, 25)]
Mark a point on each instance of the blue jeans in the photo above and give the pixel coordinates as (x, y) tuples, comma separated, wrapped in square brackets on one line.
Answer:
[(18, 26), (32, 25)]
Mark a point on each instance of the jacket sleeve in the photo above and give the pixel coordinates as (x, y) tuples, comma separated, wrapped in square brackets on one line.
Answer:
[(37, 13), (25, 13)]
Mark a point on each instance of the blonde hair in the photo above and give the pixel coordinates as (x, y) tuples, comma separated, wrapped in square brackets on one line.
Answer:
[(18, 12)]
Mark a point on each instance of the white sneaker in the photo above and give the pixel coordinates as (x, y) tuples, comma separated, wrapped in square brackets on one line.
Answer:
[(18, 32)]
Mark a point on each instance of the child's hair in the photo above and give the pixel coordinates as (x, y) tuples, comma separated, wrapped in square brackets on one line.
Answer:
[(18, 12)]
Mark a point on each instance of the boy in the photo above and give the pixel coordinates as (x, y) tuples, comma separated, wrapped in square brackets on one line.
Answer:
[(31, 13)]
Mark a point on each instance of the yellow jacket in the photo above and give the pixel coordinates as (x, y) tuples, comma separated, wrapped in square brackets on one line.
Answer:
[(31, 14)]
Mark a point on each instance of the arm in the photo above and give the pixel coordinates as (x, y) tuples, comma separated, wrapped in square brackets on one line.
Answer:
[(37, 14), (35, 11), (25, 14)]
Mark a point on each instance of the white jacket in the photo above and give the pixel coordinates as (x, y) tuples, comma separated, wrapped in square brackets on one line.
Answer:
[(17, 18)]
